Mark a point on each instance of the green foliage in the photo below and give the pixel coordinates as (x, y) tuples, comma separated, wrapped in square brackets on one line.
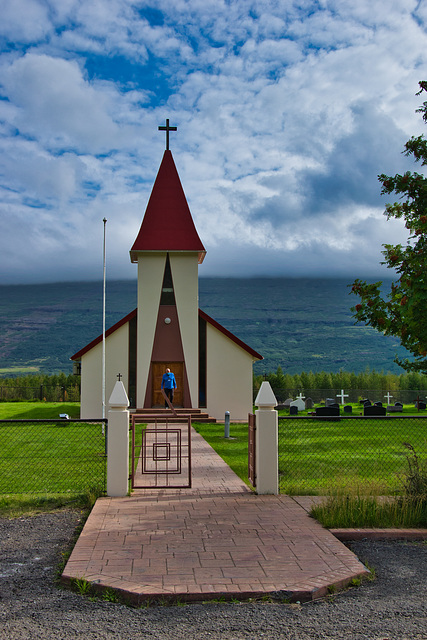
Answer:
[(43, 387), (370, 379), (81, 586), (403, 311)]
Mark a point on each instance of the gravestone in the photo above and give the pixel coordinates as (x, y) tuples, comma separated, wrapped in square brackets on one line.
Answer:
[(366, 403), (348, 408), (329, 401), (293, 410), (328, 411), (420, 405), (394, 409), (309, 403), (299, 404), (374, 410), (378, 404), (287, 402)]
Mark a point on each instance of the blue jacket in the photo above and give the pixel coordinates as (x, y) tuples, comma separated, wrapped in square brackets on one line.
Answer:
[(168, 381)]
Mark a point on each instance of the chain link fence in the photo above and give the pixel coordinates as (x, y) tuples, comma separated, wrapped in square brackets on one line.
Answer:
[(319, 456), (405, 396), (53, 456), (41, 392)]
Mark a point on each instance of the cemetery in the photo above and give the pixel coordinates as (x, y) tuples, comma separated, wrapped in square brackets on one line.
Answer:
[(333, 407)]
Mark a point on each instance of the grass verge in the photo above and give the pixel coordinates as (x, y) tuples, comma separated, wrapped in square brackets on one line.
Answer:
[(15, 506), (233, 450), (38, 410), (352, 511)]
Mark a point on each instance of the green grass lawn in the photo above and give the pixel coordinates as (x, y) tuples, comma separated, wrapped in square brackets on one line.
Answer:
[(322, 457), (37, 410), (234, 451), (325, 457)]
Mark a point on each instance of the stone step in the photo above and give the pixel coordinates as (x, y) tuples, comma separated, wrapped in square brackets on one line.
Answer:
[(197, 415)]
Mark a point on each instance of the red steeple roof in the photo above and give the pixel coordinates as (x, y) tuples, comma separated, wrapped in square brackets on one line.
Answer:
[(167, 223)]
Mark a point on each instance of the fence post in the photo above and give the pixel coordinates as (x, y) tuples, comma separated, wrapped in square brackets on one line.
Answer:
[(118, 443), (266, 443)]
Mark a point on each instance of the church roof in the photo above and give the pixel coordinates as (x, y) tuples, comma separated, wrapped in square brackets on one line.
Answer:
[(202, 314), (167, 223)]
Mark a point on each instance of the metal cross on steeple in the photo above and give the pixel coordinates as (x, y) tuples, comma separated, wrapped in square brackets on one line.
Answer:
[(167, 128)]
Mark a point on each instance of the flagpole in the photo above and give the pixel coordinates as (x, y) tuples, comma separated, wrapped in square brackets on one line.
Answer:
[(103, 326)]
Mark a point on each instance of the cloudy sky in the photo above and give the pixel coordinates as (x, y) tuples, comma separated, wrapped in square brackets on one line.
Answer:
[(286, 112)]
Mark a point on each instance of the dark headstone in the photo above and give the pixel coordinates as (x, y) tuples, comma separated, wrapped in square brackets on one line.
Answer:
[(348, 408), (378, 404), (366, 403), (393, 409), (398, 404), (373, 410), (309, 403), (335, 405), (328, 411), (421, 406), (293, 411)]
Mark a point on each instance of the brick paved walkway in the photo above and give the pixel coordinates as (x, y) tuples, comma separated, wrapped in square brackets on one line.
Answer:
[(215, 539)]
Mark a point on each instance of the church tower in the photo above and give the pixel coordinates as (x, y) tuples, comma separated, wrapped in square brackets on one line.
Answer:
[(167, 251), (212, 367)]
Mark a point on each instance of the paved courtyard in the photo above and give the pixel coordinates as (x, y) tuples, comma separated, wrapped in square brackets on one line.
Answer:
[(213, 540)]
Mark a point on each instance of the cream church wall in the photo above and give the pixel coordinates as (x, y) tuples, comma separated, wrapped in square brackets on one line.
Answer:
[(151, 269), (184, 268), (228, 377), (116, 361)]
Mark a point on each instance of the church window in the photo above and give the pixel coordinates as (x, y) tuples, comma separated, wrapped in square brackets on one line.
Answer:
[(168, 296)]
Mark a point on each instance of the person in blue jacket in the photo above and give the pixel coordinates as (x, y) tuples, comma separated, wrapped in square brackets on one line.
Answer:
[(168, 384)]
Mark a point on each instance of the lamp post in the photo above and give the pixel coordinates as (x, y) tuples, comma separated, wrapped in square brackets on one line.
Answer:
[(103, 325)]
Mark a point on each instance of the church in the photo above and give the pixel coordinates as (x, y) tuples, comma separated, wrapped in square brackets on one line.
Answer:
[(212, 367)]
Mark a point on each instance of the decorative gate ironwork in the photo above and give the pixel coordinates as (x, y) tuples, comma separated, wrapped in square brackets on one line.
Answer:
[(161, 452), (251, 449)]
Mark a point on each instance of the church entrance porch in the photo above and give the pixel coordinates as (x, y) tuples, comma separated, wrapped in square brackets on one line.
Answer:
[(158, 369)]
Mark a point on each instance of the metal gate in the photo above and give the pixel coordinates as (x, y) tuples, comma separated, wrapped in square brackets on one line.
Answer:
[(161, 452), (251, 449)]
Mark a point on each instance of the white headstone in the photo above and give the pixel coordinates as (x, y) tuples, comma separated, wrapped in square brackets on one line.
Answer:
[(342, 395), (299, 403)]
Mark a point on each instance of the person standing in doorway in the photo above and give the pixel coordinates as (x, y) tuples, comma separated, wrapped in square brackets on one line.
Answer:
[(168, 384)]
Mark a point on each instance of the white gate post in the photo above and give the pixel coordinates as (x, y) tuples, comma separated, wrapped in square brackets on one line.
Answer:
[(266, 441), (118, 443)]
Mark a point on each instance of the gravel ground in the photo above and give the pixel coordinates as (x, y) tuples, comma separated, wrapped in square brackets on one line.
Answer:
[(32, 605)]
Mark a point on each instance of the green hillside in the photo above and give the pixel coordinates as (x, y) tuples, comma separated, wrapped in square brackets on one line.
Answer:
[(300, 324)]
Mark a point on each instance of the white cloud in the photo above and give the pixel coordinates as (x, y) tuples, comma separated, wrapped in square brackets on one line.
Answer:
[(286, 111), (24, 21)]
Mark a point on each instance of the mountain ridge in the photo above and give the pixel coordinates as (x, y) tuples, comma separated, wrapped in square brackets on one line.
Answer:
[(301, 324)]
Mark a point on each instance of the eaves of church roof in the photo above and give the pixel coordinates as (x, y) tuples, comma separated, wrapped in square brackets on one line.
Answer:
[(257, 356), (167, 224)]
